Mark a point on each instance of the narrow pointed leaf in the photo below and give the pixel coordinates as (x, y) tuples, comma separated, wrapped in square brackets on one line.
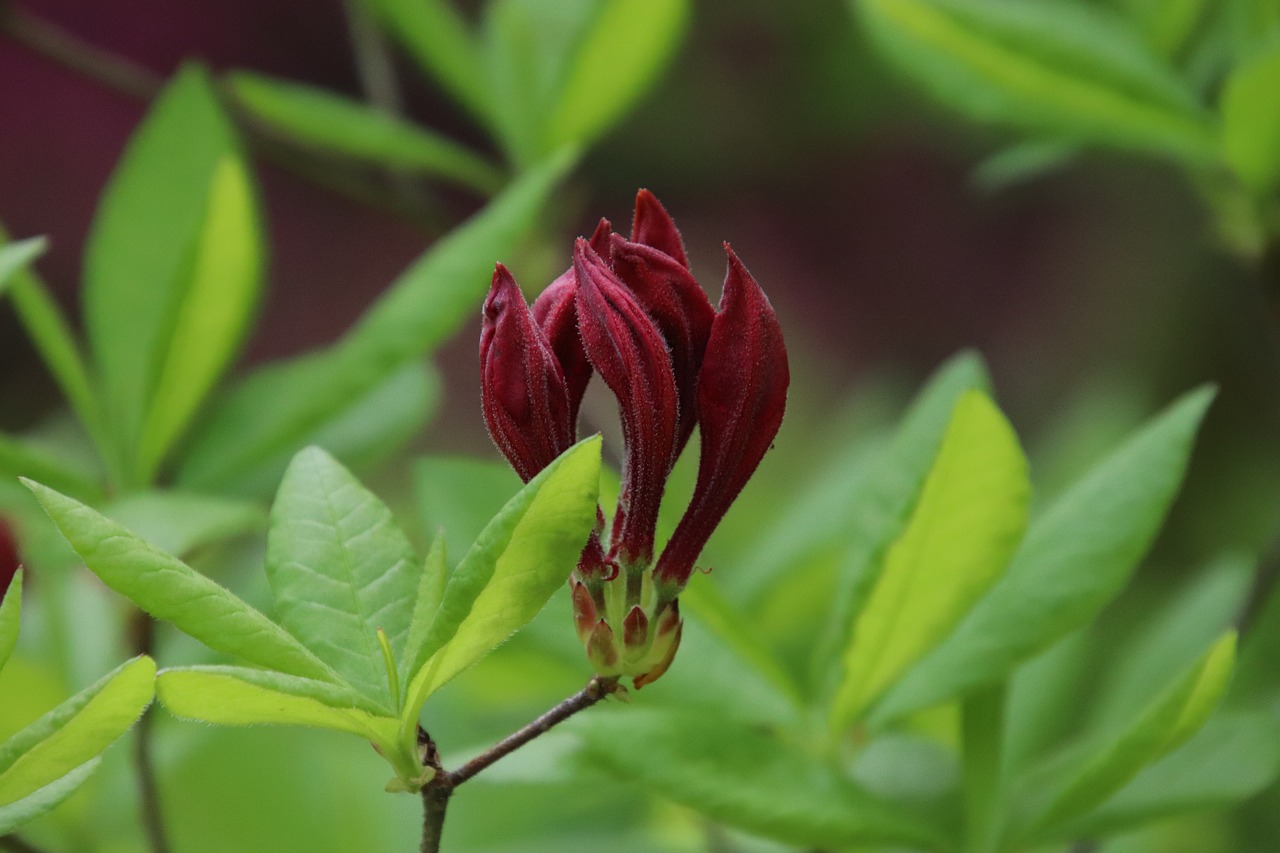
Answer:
[(1075, 558), (181, 523), (340, 569), (220, 292), (431, 584), (143, 246), (45, 800), (438, 37), (523, 556), (1175, 715), (16, 256), (10, 618), (749, 778), (76, 731), (23, 458), (962, 533), (330, 122), (171, 590), (263, 421), (1251, 120), (236, 696)]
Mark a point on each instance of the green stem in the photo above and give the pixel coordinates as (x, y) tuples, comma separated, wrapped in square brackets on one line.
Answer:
[(981, 733)]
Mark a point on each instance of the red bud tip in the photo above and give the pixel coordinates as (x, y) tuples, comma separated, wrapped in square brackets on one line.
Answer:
[(653, 226)]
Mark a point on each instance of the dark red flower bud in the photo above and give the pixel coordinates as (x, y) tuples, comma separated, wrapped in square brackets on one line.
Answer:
[(9, 562), (742, 393), (629, 353), (672, 297), (522, 387), (653, 226)]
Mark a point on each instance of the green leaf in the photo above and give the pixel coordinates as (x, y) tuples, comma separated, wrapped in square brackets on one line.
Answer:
[(20, 458), (144, 250), (1075, 559), (1251, 120), (963, 531), (263, 420), (10, 617), (181, 523), (212, 315), (1171, 719), (331, 122), (1233, 757), (340, 569), (439, 39), (748, 777), (45, 800), (618, 58), (878, 511), (523, 556), (1168, 24), (1060, 70), (76, 731), (61, 354), (16, 256), (459, 494), (431, 585), (236, 696), (171, 590)]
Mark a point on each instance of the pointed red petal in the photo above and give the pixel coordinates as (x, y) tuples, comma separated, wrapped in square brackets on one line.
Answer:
[(653, 226), (742, 394)]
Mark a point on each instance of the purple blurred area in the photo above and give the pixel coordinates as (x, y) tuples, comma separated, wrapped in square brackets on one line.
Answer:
[(849, 198)]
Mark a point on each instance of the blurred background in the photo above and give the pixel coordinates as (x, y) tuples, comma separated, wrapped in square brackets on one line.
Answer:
[(889, 229)]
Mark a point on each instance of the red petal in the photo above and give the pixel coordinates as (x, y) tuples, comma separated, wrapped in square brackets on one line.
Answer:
[(742, 394), (653, 226)]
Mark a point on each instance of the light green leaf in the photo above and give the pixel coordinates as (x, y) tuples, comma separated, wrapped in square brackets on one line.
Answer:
[(879, 509), (962, 533), (524, 555), (236, 696), (76, 731), (331, 122), (1174, 716), (1060, 70), (46, 799), (431, 584), (261, 421), (1168, 24), (181, 523), (10, 617), (1233, 757), (210, 319), (61, 354), (171, 590), (749, 777), (1075, 559), (618, 58), (21, 458), (441, 41), (340, 569), (16, 256), (1251, 120), (459, 494), (144, 244)]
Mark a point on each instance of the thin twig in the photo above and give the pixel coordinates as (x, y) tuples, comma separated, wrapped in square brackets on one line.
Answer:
[(152, 815), (16, 844), (436, 794)]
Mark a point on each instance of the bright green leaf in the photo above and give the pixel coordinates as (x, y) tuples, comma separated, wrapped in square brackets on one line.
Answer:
[(181, 523), (1251, 120), (626, 47), (46, 799), (963, 531), (171, 590), (1057, 69), (439, 38), (1171, 719), (10, 617), (340, 569), (431, 584), (331, 122), (523, 556), (143, 247), (76, 731), (879, 509), (261, 421), (220, 292), (1075, 559), (16, 256), (236, 696), (1168, 24), (750, 778)]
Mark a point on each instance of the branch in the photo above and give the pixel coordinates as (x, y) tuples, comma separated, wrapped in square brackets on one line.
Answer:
[(143, 631)]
